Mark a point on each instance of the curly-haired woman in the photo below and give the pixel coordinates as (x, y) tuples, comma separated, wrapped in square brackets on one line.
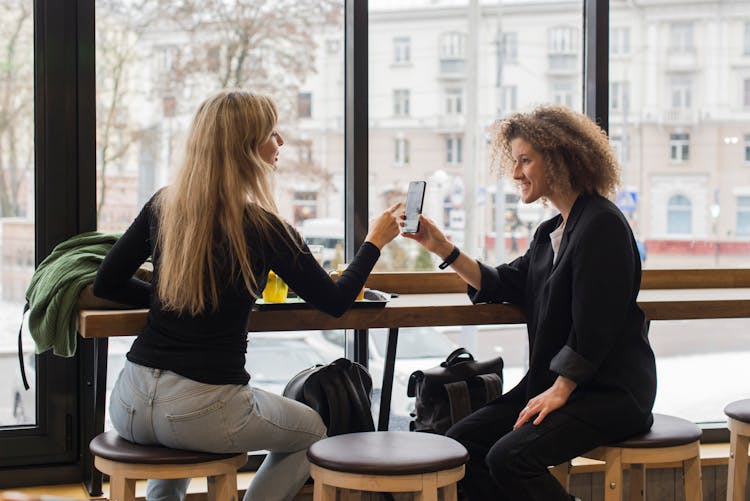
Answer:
[(592, 376)]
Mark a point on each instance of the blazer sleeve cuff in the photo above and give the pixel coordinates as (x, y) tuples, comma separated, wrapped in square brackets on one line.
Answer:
[(487, 293), (572, 365)]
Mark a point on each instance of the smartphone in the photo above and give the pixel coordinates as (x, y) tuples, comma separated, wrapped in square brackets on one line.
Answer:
[(414, 200)]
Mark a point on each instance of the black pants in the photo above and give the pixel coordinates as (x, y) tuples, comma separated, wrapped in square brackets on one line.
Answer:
[(506, 464)]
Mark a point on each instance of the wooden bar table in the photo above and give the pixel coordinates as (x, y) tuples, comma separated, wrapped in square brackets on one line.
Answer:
[(694, 294)]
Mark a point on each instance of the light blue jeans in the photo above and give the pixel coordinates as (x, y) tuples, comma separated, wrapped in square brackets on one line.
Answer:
[(151, 406)]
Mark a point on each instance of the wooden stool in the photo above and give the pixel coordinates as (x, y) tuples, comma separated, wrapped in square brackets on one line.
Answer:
[(387, 461), (738, 421), (671, 439), (126, 462)]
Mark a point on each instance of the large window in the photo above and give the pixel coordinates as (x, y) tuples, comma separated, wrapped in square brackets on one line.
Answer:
[(688, 169), (17, 406), (295, 55), (481, 66)]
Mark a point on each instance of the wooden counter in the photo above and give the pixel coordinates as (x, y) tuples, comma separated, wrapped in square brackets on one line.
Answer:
[(411, 310)]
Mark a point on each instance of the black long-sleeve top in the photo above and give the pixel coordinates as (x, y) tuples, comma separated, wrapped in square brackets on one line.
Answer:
[(582, 316), (210, 347)]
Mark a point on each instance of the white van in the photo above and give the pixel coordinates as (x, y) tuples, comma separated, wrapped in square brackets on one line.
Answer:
[(329, 233)]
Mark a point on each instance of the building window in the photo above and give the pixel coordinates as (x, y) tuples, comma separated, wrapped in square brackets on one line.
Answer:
[(452, 53), (452, 45), (620, 147), (562, 45), (746, 93), (401, 102), (454, 101), (508, 47), (679, 147), (747, 38), (743, 216), (747, 148), (305, 205), (401, 151), (681, 93), (507, 100), (619, 41), (453, 147), (304, 105), (619, 96), (401, 50), (681, 37), (562, 93), (679, 216)]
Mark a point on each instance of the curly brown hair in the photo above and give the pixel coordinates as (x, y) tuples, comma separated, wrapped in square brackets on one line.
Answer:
[(576, 151)]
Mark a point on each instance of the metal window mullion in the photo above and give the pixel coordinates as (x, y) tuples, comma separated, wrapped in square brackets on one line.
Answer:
[(356, 142)]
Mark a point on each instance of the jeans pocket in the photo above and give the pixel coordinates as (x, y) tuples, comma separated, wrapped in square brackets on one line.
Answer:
[(204, 429), (121, 415)]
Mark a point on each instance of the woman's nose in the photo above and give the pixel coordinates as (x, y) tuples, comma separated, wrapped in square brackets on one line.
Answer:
[(516, 172), (280, 140)]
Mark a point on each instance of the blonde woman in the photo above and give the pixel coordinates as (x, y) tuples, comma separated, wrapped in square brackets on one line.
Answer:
[(591, 377), (213, 236)]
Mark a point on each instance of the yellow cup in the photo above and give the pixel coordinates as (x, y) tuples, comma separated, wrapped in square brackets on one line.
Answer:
[(276, 289), (336, 274)]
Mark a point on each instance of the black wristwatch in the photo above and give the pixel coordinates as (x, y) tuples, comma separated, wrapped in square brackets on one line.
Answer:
[(451, 257)]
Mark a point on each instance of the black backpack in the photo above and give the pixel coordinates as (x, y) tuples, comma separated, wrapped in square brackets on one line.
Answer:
[(453, 390), (340, 392)]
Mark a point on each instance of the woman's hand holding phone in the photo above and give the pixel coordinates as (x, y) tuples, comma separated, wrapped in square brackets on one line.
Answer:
[(386, 226)]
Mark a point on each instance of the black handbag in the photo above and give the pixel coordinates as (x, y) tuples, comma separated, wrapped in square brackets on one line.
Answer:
[(340, 392), (453, 390)]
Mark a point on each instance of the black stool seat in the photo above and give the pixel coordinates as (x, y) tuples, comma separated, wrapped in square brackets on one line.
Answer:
[(112, 446), (739, 410), (388, 453), (667, 431)]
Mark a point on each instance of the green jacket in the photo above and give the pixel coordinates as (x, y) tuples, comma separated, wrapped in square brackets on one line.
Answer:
[(57, 283)]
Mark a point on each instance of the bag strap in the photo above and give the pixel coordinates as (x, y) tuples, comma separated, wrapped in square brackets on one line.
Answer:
[(458, 355), (458, 400), (493, 385)]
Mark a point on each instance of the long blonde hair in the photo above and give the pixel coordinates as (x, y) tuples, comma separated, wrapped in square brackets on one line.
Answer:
[(223, 184)]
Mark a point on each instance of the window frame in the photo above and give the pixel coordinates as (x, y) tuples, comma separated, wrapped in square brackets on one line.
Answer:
[(64, 205)]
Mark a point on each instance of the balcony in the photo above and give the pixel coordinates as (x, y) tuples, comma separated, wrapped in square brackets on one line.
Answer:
[(682, 60), (679, 116), (563, 64), (452, 68)]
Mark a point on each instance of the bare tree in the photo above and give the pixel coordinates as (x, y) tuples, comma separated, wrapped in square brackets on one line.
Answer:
[(264, 45), (16, 105)]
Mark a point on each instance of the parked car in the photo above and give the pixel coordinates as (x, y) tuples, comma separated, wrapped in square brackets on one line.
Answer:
[(329, 233), (274, 357)]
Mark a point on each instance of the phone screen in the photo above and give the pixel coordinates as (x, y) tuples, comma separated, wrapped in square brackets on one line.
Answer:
[(414, 199)]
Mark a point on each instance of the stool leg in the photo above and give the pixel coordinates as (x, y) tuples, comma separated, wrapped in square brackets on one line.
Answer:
[(222, 487), (121, 488), (691, 469), (562, 473), (429, 488), (612, 475), (637, 482), (450, 493), (737, 471), (323, 492)]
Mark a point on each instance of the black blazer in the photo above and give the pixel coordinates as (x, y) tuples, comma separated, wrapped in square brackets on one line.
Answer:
[(583, 319)]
